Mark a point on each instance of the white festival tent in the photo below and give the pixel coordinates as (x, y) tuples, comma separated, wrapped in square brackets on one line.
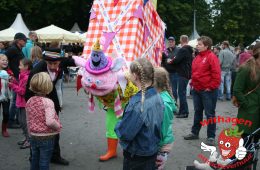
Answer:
[(75, 28), (17, 26), (54, 33), (82, 36), (193, 43)]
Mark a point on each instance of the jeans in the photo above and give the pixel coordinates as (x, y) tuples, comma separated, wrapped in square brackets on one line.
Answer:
[(182, 87), (41, 153), (139, 162), (13, 111), (174, 77), (225, 82), (204, 100)]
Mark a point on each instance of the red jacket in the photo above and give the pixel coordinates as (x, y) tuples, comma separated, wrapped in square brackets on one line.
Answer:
[(206, 72), (20, 87)]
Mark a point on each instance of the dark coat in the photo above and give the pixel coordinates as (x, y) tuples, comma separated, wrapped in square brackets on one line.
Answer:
[(42, 67), (183, 60), (14, 55), (171, 54)]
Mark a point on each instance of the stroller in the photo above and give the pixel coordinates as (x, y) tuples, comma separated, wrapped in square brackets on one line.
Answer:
[(252, 157)]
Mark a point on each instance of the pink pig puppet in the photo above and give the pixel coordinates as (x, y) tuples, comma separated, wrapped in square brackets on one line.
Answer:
[(104, 79)]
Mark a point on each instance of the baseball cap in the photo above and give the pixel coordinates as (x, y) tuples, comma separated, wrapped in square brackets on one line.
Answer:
[(20, 36), (171, 38)]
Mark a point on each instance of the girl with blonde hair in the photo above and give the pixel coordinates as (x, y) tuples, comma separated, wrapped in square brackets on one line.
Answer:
[(36, 55), (139, 130), (43, 121)]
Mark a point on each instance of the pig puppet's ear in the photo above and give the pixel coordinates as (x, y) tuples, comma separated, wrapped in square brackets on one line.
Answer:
[(79, 61), (118, 64)]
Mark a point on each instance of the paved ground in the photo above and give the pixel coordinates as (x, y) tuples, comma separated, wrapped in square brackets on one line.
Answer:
[(83, 138)]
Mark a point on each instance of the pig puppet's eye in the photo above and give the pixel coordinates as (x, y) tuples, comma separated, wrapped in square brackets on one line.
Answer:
[(98, 82), (88, 79)]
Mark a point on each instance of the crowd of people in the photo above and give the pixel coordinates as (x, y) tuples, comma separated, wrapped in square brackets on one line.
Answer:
[(31, 90)]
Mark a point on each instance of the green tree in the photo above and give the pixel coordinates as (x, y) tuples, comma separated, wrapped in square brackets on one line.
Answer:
[(40, 13), (178, 15), (236, 21)]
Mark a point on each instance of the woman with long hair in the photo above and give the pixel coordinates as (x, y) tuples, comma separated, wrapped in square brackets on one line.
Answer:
[(247, 92)]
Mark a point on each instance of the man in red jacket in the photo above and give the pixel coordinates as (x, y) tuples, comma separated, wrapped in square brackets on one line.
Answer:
[(205, 80)]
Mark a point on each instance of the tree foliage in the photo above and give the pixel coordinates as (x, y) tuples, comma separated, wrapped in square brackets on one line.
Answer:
[(236, 21)]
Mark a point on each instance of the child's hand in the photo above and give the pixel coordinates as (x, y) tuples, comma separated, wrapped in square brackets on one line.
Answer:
[(11, 79), (161, 160)]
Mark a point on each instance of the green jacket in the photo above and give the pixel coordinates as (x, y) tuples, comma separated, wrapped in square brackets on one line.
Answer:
[(169, 108), (250, 104)]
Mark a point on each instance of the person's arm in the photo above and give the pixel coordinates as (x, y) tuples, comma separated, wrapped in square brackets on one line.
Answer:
[(10, 53), (19, 88), (180, 56), (129, 126), (221, 57), (215, 72), (164, 57), (28, 92), (25, 51), (50, 115), (240, 86)]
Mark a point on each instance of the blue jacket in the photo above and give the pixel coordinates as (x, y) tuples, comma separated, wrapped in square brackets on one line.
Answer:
[(140, 132)]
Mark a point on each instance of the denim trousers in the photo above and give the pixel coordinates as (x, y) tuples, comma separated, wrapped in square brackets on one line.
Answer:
[(225, 83), (13, 111), (204, 101), (139, 162), (174, 77), (182, 87), (41, 153)]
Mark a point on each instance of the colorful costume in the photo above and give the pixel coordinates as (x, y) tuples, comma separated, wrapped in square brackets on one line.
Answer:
[(105, 79)]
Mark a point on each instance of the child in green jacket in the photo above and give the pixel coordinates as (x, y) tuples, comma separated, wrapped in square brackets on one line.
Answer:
[(161, 83)]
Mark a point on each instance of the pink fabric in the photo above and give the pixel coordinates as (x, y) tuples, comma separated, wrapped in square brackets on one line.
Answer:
[(98, 71), (244, 57), (20, 87), (139, 13), (118, 107), (91, 103), (41, 116), (108, 37)]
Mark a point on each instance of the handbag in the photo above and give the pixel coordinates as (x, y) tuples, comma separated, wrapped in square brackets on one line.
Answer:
[(234, 99)]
